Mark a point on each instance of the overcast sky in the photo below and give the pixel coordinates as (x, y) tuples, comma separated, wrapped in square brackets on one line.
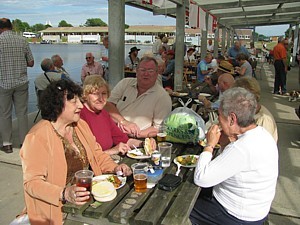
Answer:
[(77, 12)]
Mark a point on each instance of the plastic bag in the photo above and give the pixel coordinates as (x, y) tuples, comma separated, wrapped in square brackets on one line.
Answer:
[(184, 125)]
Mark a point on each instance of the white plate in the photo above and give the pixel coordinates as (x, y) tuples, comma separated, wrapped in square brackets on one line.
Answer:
[(198, 101), (179, 94), (133, 156), (105, 176), (204, 94), (188, 166)]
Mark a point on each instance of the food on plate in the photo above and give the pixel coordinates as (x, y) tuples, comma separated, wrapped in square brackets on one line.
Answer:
[(102, 189), (187, 160), (203, 144), (148, 146), (114, 180)]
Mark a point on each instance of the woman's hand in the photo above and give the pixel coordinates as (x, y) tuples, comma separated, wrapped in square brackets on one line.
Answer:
[(126, 171), (77, 195), (130, 128), (121, 148), (213, 135)]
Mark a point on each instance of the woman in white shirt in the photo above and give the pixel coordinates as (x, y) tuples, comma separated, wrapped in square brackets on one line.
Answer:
[(244, 175)]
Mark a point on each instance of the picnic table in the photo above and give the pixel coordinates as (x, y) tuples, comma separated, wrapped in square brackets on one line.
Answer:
[(152, 207)]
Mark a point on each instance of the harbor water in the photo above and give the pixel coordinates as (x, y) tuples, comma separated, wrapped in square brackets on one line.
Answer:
[(73, 56)]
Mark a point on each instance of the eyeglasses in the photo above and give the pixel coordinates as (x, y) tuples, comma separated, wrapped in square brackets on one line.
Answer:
[(150, 71), (88, 57)]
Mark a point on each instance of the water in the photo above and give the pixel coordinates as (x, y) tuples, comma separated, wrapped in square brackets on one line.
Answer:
[(165, 161), (73, 56)]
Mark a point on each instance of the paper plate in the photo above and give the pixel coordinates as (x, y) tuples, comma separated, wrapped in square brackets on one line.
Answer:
[(133, 156), (104, 191), (105, 177), (185, 156), (204, 94)]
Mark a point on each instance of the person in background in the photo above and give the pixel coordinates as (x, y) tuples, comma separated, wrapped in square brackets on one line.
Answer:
[(244, 68), (210, 46), (54, 149), (252, 58), (190, 56), (15, 57), (202, 68), (165, 41), (263, 117), (161, 66), (49, 75), (112, 140), (168, 74), (58, 64), (91, 67), (244, 176), (235, 50), (281, 67), (104, 57), (139, 104), (157, 45), (225, 81), (132, 60)]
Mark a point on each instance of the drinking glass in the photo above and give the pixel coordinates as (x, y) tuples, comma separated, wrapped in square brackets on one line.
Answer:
[(165, 149), (140, 176), (84, 179), (162, 133)]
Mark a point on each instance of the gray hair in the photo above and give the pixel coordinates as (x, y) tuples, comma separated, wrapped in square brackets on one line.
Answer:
[(46, 64), (241, 102), (148, 59)]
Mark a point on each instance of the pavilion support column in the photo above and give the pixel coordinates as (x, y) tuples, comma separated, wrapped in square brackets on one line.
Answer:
[(228, 39), (204, 38), (232, 36), (179, 46), (296, 42), (116, 31), (216, 43), (223, 40), (253, 35)]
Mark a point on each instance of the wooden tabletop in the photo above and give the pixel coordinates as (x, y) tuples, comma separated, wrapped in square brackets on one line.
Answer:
[(152, 207)]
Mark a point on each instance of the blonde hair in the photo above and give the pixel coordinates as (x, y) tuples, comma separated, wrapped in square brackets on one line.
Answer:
[(250, 84), (92, 84)]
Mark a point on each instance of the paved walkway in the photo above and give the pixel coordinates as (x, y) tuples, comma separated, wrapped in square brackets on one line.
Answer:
[(285, 208)]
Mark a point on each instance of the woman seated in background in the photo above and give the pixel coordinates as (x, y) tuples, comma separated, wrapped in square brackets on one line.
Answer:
[(244, 175), (108, 134), (54, 149), (245, 68), (263, 117)]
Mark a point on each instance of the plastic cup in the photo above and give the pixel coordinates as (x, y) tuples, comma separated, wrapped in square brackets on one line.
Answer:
[(162, 133), (165, 149), (84, 179), (140, 176)]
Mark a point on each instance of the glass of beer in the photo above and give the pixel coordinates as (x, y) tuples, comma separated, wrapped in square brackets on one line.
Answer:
[(162, 133), (140, 176), (84, 179)]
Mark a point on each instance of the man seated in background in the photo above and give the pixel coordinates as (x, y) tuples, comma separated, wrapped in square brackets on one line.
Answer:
[(202, 68), (91, 67), (225, 81), (138, 104), (132, 60), (168, 74), (58, 64), (49, 75), (235, 50)]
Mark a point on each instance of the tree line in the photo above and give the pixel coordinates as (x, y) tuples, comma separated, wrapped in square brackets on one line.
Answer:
[(20, 26)]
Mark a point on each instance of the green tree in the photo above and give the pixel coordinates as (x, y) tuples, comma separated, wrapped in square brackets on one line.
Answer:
[(20, 26), (63, 23), (95, 22), (38, 27), (126, 26)]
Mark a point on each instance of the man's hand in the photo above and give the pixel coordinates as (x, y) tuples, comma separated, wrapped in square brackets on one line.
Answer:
[(129, 128), (121, 148), (124, 169)]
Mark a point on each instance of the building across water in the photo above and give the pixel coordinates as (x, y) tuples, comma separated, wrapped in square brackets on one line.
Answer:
[(134, 34)]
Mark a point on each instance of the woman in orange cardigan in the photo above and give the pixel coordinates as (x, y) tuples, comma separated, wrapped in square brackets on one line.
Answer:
[(54, 149)]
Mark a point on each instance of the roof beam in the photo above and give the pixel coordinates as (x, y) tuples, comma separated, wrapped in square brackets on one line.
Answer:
[(237, 4), (178, 2), (257, 12), (162, 11)]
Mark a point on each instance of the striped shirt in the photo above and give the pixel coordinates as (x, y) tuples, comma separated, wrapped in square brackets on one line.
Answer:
[(14, 56)]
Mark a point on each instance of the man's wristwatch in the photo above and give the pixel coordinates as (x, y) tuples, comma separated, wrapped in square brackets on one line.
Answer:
[(63, 199)]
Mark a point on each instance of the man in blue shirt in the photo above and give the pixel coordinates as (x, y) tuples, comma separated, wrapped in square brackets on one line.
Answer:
[(202, 69), (235, 50)]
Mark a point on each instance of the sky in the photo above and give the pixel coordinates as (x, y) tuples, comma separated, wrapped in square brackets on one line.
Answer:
[(77, 12)]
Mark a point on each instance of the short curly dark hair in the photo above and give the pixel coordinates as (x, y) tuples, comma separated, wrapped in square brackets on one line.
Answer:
[(52, 99)]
